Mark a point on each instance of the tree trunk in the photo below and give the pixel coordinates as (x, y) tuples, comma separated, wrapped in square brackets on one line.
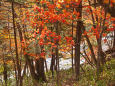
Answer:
[(31, 67), (57, 54), (5, 68), (77, 41), (16, 47), (72, 46), (14, 63), (52, 66), (77, 49), (91, 48), (40, 69), (99, 57), (114, 36)]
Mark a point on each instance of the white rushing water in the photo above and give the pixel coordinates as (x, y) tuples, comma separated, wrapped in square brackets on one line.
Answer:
[(63, 63)]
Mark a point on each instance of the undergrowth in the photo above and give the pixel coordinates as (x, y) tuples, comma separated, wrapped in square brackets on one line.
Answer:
[(87, 77)]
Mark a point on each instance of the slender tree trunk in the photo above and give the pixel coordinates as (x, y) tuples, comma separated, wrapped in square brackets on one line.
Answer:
[(99, 58), (16, 47), (5, 68), (57, 54), (31, 67), (24, 71), (114, 36), (113, 49), (14, 63), (77, 50), (12, 55), (72, 45), (91, 48), (21, 38), (10, 49), (87, 59), (77, 41), (52, 66)]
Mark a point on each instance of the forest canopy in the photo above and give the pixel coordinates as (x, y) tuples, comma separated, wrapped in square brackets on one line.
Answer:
[(57, 42)]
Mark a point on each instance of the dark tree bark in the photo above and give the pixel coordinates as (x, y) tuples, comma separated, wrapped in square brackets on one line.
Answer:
[(77, 41), (72, 46), (40, 69), (5, 67), (114, 40), (114, 37), (57, 53), (5, 73), (77, 49), (56, 49), (16, 47), (21, 38), (52, 66), (31, 67), (90, 47)]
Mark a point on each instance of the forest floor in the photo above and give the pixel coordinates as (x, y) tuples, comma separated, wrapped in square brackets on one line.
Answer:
[(87, 77)]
